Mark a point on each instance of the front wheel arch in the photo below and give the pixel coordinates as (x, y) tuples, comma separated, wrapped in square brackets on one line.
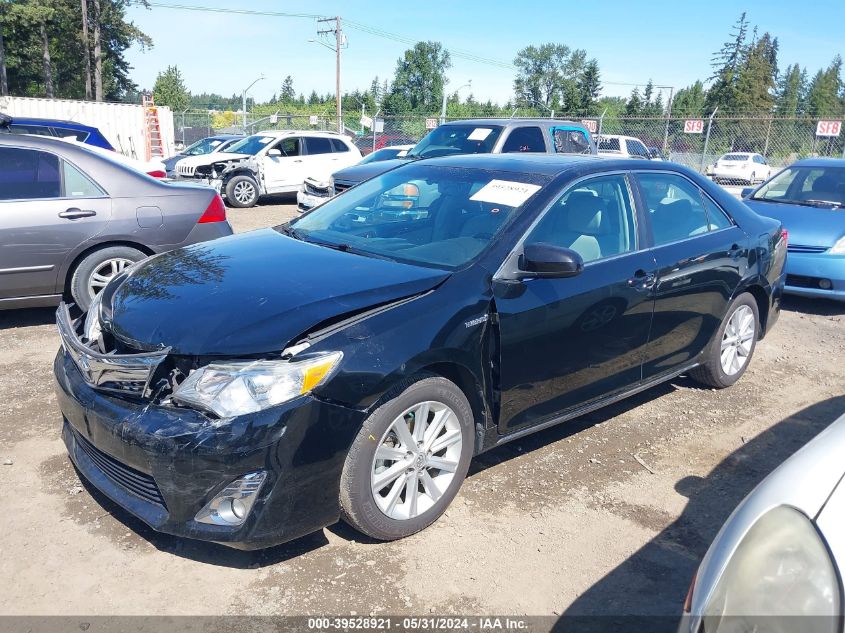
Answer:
[(68, 273)]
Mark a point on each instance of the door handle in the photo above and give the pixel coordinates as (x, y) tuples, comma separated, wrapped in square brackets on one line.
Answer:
[(298, 160), (74, 214), (642, 280)]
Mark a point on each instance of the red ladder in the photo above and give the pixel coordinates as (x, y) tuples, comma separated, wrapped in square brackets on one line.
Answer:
[(152, 128)]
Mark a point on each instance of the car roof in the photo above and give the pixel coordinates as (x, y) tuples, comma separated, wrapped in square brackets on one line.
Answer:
[(514, 122), (819, 162), (20, 120), (281, 133), (544, 164)]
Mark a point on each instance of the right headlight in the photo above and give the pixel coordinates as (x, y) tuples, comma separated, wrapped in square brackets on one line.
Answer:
[(839, 247), (780, 568)]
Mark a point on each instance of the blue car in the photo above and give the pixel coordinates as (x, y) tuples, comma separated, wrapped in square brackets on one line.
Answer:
[(51, 127), (809, 198)]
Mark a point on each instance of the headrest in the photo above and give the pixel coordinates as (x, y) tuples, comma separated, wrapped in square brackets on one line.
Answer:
[(583, 214), (824, 183)]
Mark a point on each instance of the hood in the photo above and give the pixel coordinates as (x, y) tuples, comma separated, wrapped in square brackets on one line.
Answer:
[(360, 173), (807, 226), (252, 293), (210, 159)]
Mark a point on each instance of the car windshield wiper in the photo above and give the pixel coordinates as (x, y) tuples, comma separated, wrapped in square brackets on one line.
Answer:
[(296, 234), (803, 203), (824, 203)]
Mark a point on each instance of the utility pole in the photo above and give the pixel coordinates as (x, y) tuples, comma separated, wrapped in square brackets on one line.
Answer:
[(668, 117), (338, 39)]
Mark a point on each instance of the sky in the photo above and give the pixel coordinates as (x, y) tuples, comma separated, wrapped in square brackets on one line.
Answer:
[(670, 43)]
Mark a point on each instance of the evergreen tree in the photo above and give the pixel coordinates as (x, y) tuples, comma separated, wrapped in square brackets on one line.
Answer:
[(756, 77), (824, 98), (169, 90), (589, 87), (287, 93), (634, 106), (418, 80), (689, 102), (792, 91), (726, 63)]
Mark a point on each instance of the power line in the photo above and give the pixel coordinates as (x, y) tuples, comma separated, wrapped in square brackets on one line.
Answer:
[(364, 28)]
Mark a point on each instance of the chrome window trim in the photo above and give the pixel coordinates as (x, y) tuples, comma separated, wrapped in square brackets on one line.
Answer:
[(498, 275)]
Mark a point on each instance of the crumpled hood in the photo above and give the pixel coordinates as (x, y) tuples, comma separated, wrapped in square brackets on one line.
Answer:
[(210, 159), (252, 293), (807, 226), (360, 173)]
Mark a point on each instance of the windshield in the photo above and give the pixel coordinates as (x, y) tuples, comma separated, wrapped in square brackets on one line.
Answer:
[(384, 154), (205, 146), (421, 214), (457, 139), (810, 186), (251, 145)]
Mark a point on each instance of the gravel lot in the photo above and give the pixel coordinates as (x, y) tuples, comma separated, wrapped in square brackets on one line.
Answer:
[(607, 513)]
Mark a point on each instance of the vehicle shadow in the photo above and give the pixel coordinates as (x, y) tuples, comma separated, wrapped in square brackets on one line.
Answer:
[(820, 307), (26, 317), (203, 551), (566, 429), (646, 591)]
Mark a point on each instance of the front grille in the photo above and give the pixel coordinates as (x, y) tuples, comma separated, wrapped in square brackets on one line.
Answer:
[(803, 281), (184, 170), (799, 248), (133, 481), (320, 192), (340, 187)]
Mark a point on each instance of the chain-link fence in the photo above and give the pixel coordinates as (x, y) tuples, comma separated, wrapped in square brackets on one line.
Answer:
[(780, 141)]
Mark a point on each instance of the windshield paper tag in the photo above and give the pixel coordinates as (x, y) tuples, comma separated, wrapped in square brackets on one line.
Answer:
[(479, 134), (266, 140), (506, 192)]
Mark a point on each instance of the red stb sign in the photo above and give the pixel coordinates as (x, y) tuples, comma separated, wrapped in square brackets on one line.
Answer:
[(828, 128), (693, 126), (590, 125)]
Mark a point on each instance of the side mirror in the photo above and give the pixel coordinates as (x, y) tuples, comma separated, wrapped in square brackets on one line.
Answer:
[(549, 261), (746, 191), (274, 152)]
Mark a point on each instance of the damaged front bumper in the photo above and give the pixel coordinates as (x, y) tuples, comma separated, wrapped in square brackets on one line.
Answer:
[(163, 464)]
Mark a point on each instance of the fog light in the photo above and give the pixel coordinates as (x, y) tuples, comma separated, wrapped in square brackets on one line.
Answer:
[(825, 284), (232, 505)]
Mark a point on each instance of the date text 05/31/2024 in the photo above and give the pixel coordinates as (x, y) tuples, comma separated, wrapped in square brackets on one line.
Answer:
[(432, 623)]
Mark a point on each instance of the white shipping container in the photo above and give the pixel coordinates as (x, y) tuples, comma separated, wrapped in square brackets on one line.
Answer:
[(121, 123)]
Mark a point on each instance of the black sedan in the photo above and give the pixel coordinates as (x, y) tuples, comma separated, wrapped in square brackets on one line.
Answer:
[(351, 363)]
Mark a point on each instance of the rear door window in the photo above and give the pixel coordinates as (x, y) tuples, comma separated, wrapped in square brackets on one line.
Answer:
[(524, 139), (675, 207), (318, 145), (338, 145), (77, 184), (27, 174)]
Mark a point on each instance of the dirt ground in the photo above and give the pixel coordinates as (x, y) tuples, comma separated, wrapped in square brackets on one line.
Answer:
[(609, 513)]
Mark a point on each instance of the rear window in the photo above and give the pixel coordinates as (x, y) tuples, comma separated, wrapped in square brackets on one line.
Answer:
[(609, 145), (742, 157)]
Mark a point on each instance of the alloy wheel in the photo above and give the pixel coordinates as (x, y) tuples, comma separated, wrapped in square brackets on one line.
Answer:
[(416, 460), (105, 272), (244, 192), (738, 340)]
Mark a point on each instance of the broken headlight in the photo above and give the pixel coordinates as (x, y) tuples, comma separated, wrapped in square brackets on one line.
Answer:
[(92, 328), (235, 388)]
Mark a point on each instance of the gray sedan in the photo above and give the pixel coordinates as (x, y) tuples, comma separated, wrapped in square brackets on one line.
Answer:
[(71, 219)]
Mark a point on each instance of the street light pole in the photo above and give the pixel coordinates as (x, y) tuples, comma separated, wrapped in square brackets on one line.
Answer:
[(243, 99), (445, 96)]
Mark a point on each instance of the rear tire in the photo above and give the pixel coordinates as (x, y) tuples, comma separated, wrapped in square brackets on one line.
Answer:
[(98, 268), (730, 352), (402, 490), (242, 191)]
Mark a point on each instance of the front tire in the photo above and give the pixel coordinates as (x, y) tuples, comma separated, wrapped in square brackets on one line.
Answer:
[(730, 352), (408, 461), (242, 192), (97, 269)]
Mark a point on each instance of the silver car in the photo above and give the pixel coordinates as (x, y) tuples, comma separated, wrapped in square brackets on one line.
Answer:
[(71, 219), (781, 554)]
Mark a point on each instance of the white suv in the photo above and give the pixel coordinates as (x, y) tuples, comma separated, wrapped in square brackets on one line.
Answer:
[(622, 147), (276, 161)]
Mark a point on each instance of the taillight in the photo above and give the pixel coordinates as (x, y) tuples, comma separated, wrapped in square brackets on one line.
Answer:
[(215, 212), (157, 173), (784, 236)]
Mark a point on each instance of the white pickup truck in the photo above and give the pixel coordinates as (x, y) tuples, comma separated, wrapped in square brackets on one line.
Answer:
[(276, 161)]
